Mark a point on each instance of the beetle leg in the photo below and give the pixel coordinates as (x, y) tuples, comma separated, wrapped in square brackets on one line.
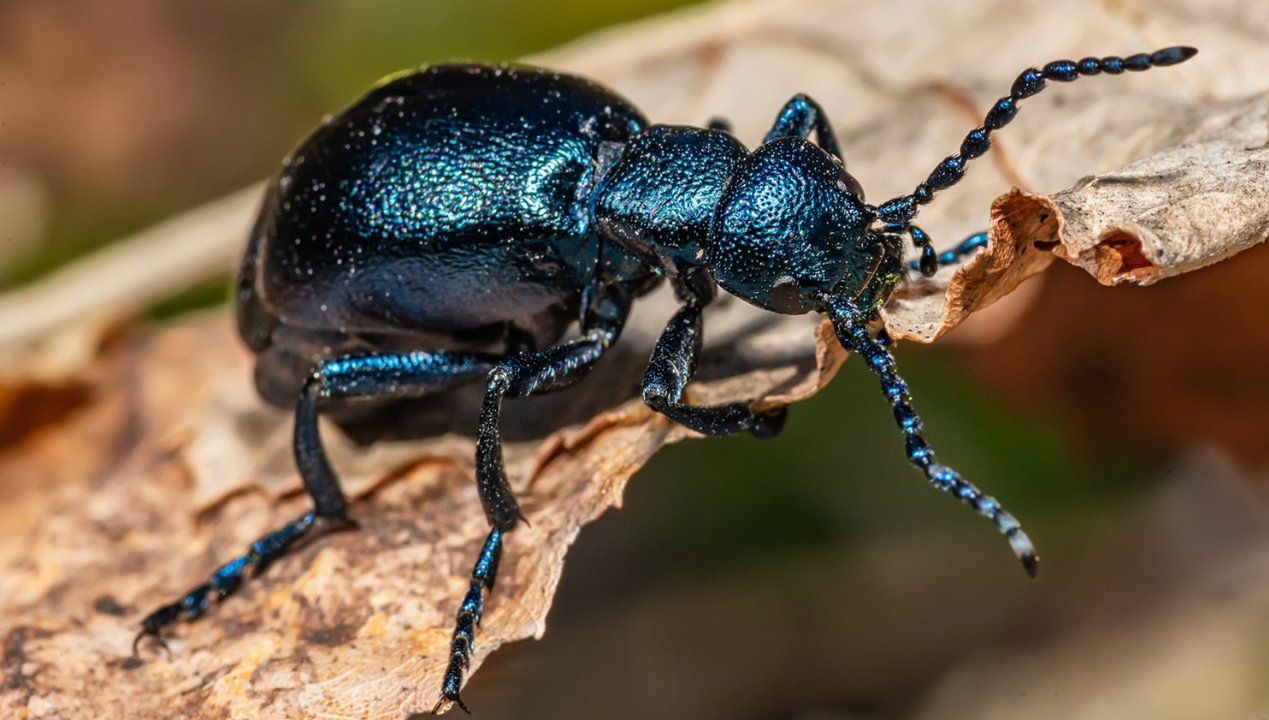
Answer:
[(719, 124), (852, 330), (386, 375), (520, 375), (670, 369), (930, 261), (469, 614), (799, 116), (954, 255)]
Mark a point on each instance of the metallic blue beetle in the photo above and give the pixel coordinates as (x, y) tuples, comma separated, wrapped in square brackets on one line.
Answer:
[(454, 222)]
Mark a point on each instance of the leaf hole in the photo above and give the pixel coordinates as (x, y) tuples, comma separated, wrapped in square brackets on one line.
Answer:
[(1119, 254)]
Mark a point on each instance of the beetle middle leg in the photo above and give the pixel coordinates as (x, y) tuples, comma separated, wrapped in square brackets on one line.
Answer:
[(719, 124), (671, 367), (801, 115), (377, 375), (605, 309)]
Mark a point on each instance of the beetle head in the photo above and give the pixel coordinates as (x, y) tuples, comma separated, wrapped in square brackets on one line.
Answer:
[(790, 227)]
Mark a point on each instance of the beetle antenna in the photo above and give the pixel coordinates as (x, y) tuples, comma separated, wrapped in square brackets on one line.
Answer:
[(898, 212), (851, 327)]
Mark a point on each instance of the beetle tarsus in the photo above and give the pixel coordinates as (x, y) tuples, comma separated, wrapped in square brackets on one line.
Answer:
[(447, 701), (156, 634), (470, 613), (226, 579)]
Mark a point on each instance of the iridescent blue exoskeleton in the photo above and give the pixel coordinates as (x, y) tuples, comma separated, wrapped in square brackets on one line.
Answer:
[(451, 225)]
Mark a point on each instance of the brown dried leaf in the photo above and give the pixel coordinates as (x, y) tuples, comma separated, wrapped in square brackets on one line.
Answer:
[(1197, 202), (358, 625), (157, 461)]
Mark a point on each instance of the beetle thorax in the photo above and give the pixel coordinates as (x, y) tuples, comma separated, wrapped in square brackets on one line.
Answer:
[(659, 198)]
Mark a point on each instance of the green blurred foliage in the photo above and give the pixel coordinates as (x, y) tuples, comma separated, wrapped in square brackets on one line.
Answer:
[(357, 39), (837, 474), (281, 66)]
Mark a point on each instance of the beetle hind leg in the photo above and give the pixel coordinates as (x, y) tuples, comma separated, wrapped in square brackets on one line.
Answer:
[(377, 375), (228, 577), (519, 375)]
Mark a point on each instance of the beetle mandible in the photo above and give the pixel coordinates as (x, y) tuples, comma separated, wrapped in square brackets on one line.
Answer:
[(454, 222)]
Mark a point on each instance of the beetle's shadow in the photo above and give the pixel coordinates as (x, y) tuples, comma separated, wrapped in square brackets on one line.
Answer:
[(613, 381)]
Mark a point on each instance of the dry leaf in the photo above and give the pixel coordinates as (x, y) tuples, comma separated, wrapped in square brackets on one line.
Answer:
[(1197, 202), (120, 497)]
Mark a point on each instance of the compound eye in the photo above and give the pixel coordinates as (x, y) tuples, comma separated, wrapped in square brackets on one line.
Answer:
[(851, 185), (786, 296)]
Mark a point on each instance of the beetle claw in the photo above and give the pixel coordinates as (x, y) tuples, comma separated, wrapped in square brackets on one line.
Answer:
[(768, 424), (145, 633), (337, 523), (448, 701)]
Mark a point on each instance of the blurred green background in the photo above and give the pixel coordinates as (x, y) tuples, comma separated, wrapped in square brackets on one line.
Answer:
[(184, 103), (811, 576)]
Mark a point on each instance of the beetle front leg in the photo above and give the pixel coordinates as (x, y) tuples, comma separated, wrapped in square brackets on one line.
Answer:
[(851, 327), (672, 365), (930, 261), (950, 256), (387, 375)]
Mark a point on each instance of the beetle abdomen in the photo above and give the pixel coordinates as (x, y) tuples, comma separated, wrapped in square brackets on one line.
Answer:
[(442, 200)]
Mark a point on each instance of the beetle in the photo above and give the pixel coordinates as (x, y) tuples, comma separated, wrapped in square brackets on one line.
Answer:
[(454, 222)]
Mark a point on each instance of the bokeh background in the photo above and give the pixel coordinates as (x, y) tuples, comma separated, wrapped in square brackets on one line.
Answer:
[(810, 577)]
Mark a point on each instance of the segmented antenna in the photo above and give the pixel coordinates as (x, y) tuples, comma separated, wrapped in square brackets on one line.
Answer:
[(897, 213), (851, 327)]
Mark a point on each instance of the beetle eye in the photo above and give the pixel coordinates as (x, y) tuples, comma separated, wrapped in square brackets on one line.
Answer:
[(851, 185), (786, 295)]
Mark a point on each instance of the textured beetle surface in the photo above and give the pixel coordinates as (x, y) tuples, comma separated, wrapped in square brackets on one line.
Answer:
[(451, 225)]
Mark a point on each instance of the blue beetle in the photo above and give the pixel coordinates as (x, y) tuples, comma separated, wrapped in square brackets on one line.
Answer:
[(452, 224)]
